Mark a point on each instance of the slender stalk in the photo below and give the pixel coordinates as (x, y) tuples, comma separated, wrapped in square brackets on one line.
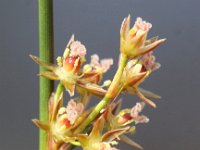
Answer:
[(59, 90), (111, 93), (46, 54)]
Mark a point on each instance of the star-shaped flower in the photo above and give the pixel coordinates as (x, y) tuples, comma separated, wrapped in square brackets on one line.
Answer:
[(133, 41)]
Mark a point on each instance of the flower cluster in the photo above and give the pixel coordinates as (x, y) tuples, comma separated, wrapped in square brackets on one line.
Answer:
[(100, 127)]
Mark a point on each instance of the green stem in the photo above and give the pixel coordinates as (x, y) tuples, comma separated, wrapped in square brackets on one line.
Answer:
[(46, 54), (111, 93), (59, 90)]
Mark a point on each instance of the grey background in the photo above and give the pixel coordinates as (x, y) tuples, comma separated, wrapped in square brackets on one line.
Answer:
[(174, 125)]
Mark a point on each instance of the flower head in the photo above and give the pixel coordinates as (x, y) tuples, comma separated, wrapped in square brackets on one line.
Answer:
[(67, 116), (134, 74), (96, 141), (116, 120), (62, 120), (133, 41), (67, 67)]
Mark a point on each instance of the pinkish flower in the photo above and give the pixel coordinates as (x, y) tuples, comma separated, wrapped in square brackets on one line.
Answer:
[(135, 113), (74, 110), (133, 41), (96, 141), (148, 61), (104, 64), (77, 49), (68, 65)]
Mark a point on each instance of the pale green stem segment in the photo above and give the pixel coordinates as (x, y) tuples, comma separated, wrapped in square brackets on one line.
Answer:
[(46, 55), (111, 93), (59, 90)]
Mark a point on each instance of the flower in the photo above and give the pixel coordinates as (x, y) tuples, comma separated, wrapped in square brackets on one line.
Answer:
[(116, 120), (67, 67), (62, 120), (96, 141), (67, 116), (133, 41), (134, 74), (93, 72), (55, 126), (127, 116)]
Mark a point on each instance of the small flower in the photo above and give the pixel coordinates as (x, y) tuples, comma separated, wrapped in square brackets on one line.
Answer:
[(116, 120), (93, 72), (148, 61), (96, 141), (134, 74), (133, 41), (135, 113), (62, 120), (67, 67), (127, 116), (67, 116)]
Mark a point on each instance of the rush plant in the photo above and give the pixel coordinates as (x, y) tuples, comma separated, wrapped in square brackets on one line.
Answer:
[(103, 126)]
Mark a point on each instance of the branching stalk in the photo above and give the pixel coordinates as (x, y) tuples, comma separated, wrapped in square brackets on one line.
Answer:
[(111, 93)]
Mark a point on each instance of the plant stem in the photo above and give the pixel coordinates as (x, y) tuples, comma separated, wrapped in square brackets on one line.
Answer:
[(111, 93), (46, 54), (59, 90)]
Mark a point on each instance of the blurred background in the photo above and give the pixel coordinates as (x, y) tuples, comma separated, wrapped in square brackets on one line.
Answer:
[(174, 125)]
